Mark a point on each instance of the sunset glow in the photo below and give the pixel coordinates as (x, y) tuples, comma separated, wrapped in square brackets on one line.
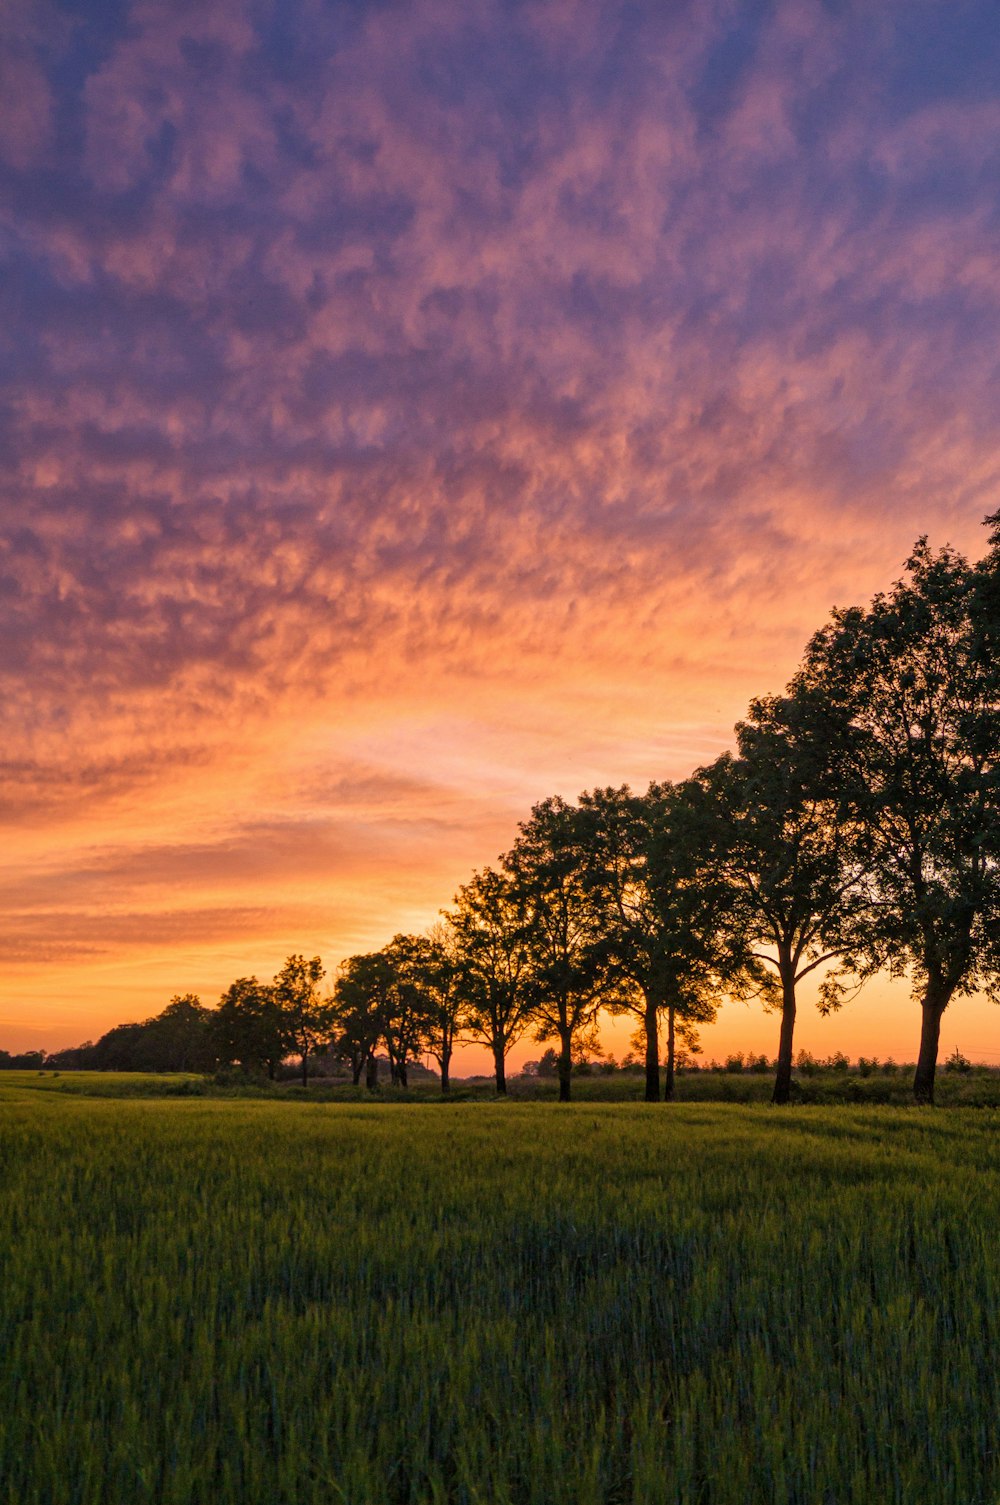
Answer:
[(413, 411)]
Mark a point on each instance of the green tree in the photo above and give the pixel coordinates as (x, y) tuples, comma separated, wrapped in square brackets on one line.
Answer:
[(916, 681), (308, 1019), (567, 951), (492, 957)]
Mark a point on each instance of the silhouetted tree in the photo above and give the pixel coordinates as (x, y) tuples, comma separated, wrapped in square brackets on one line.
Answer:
[(249, 1027), (362, 997), (437, 973), (659, 904), (492, 956), (916, 678), (407, 1020), (567, 951), (788, 848), (308, 1019), (179, 1039)]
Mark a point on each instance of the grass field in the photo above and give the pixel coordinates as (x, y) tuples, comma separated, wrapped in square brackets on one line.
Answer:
[(226, 1301)]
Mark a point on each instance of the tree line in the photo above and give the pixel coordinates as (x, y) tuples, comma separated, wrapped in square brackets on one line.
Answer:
[(854, 829)]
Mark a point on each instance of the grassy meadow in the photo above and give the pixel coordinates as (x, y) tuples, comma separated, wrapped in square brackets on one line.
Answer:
[(227, 1301)]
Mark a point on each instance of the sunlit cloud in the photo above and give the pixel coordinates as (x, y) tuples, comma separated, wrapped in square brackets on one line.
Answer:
[(416, 410)]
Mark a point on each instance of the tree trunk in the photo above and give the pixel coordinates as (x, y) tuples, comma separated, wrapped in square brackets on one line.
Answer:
[(930, 1032), (371, 1072), (565, 1065), (500, 1068), (305, 1068), (445, 1063), (668, 1090), (401, 1073), (650, 1024), (783, 1081), (357, 1065)]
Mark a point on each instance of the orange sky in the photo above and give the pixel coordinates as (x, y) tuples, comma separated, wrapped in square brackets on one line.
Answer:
[(414, 413)]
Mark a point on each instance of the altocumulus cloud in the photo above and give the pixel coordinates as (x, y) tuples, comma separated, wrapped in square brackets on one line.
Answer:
[(489, 364)]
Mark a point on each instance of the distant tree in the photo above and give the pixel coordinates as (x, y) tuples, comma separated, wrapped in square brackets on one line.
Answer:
[(180, 1039), (118, 1049), (916, 679), (438, 974), (249, 1027), (362, 997), (308, 1019), (24, 1060), (659, 907), (492, 958), (408, 1018), (567, 952), (787, 847)]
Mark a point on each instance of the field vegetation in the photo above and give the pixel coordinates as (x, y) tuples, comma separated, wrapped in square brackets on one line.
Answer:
[(253, 1301)]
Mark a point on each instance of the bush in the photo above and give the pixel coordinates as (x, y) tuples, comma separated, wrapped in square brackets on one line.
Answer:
[(957, 1062)]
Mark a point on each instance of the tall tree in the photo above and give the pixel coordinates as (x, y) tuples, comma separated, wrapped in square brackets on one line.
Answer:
[(916, 679), (488, 923), (308, 1018), (787, 847), (566, 948), (659, 906)]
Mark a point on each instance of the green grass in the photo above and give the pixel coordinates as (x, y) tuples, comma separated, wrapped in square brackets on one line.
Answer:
[(221, 1302), (978, 1088)]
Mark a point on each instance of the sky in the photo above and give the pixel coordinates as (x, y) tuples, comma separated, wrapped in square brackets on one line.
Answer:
[(411, 411)]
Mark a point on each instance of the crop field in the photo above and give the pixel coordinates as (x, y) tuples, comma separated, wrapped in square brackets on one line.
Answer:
[(240, 1302)]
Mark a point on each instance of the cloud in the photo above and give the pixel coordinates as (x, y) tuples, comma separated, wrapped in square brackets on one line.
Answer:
[(526, 381)]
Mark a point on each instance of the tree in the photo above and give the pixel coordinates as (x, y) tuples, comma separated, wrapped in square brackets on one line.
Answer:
[(249, 1027), (492, 957), (438, 974), (916, 680), (658, 907), (788, 850), (567, 953), (361, 1000), (307, 1019), (407, 1020), (180, 1039)]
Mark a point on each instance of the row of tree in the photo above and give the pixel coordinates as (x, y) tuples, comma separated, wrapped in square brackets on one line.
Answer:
[(855, 828)]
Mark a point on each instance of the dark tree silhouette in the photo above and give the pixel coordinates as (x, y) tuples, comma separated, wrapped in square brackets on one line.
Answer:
[(361, 1000), (249, 1028), (916, 679), (492, 956), (308, 1019), (658, 909), (788, 848), (408, 1017), (568, 953)]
